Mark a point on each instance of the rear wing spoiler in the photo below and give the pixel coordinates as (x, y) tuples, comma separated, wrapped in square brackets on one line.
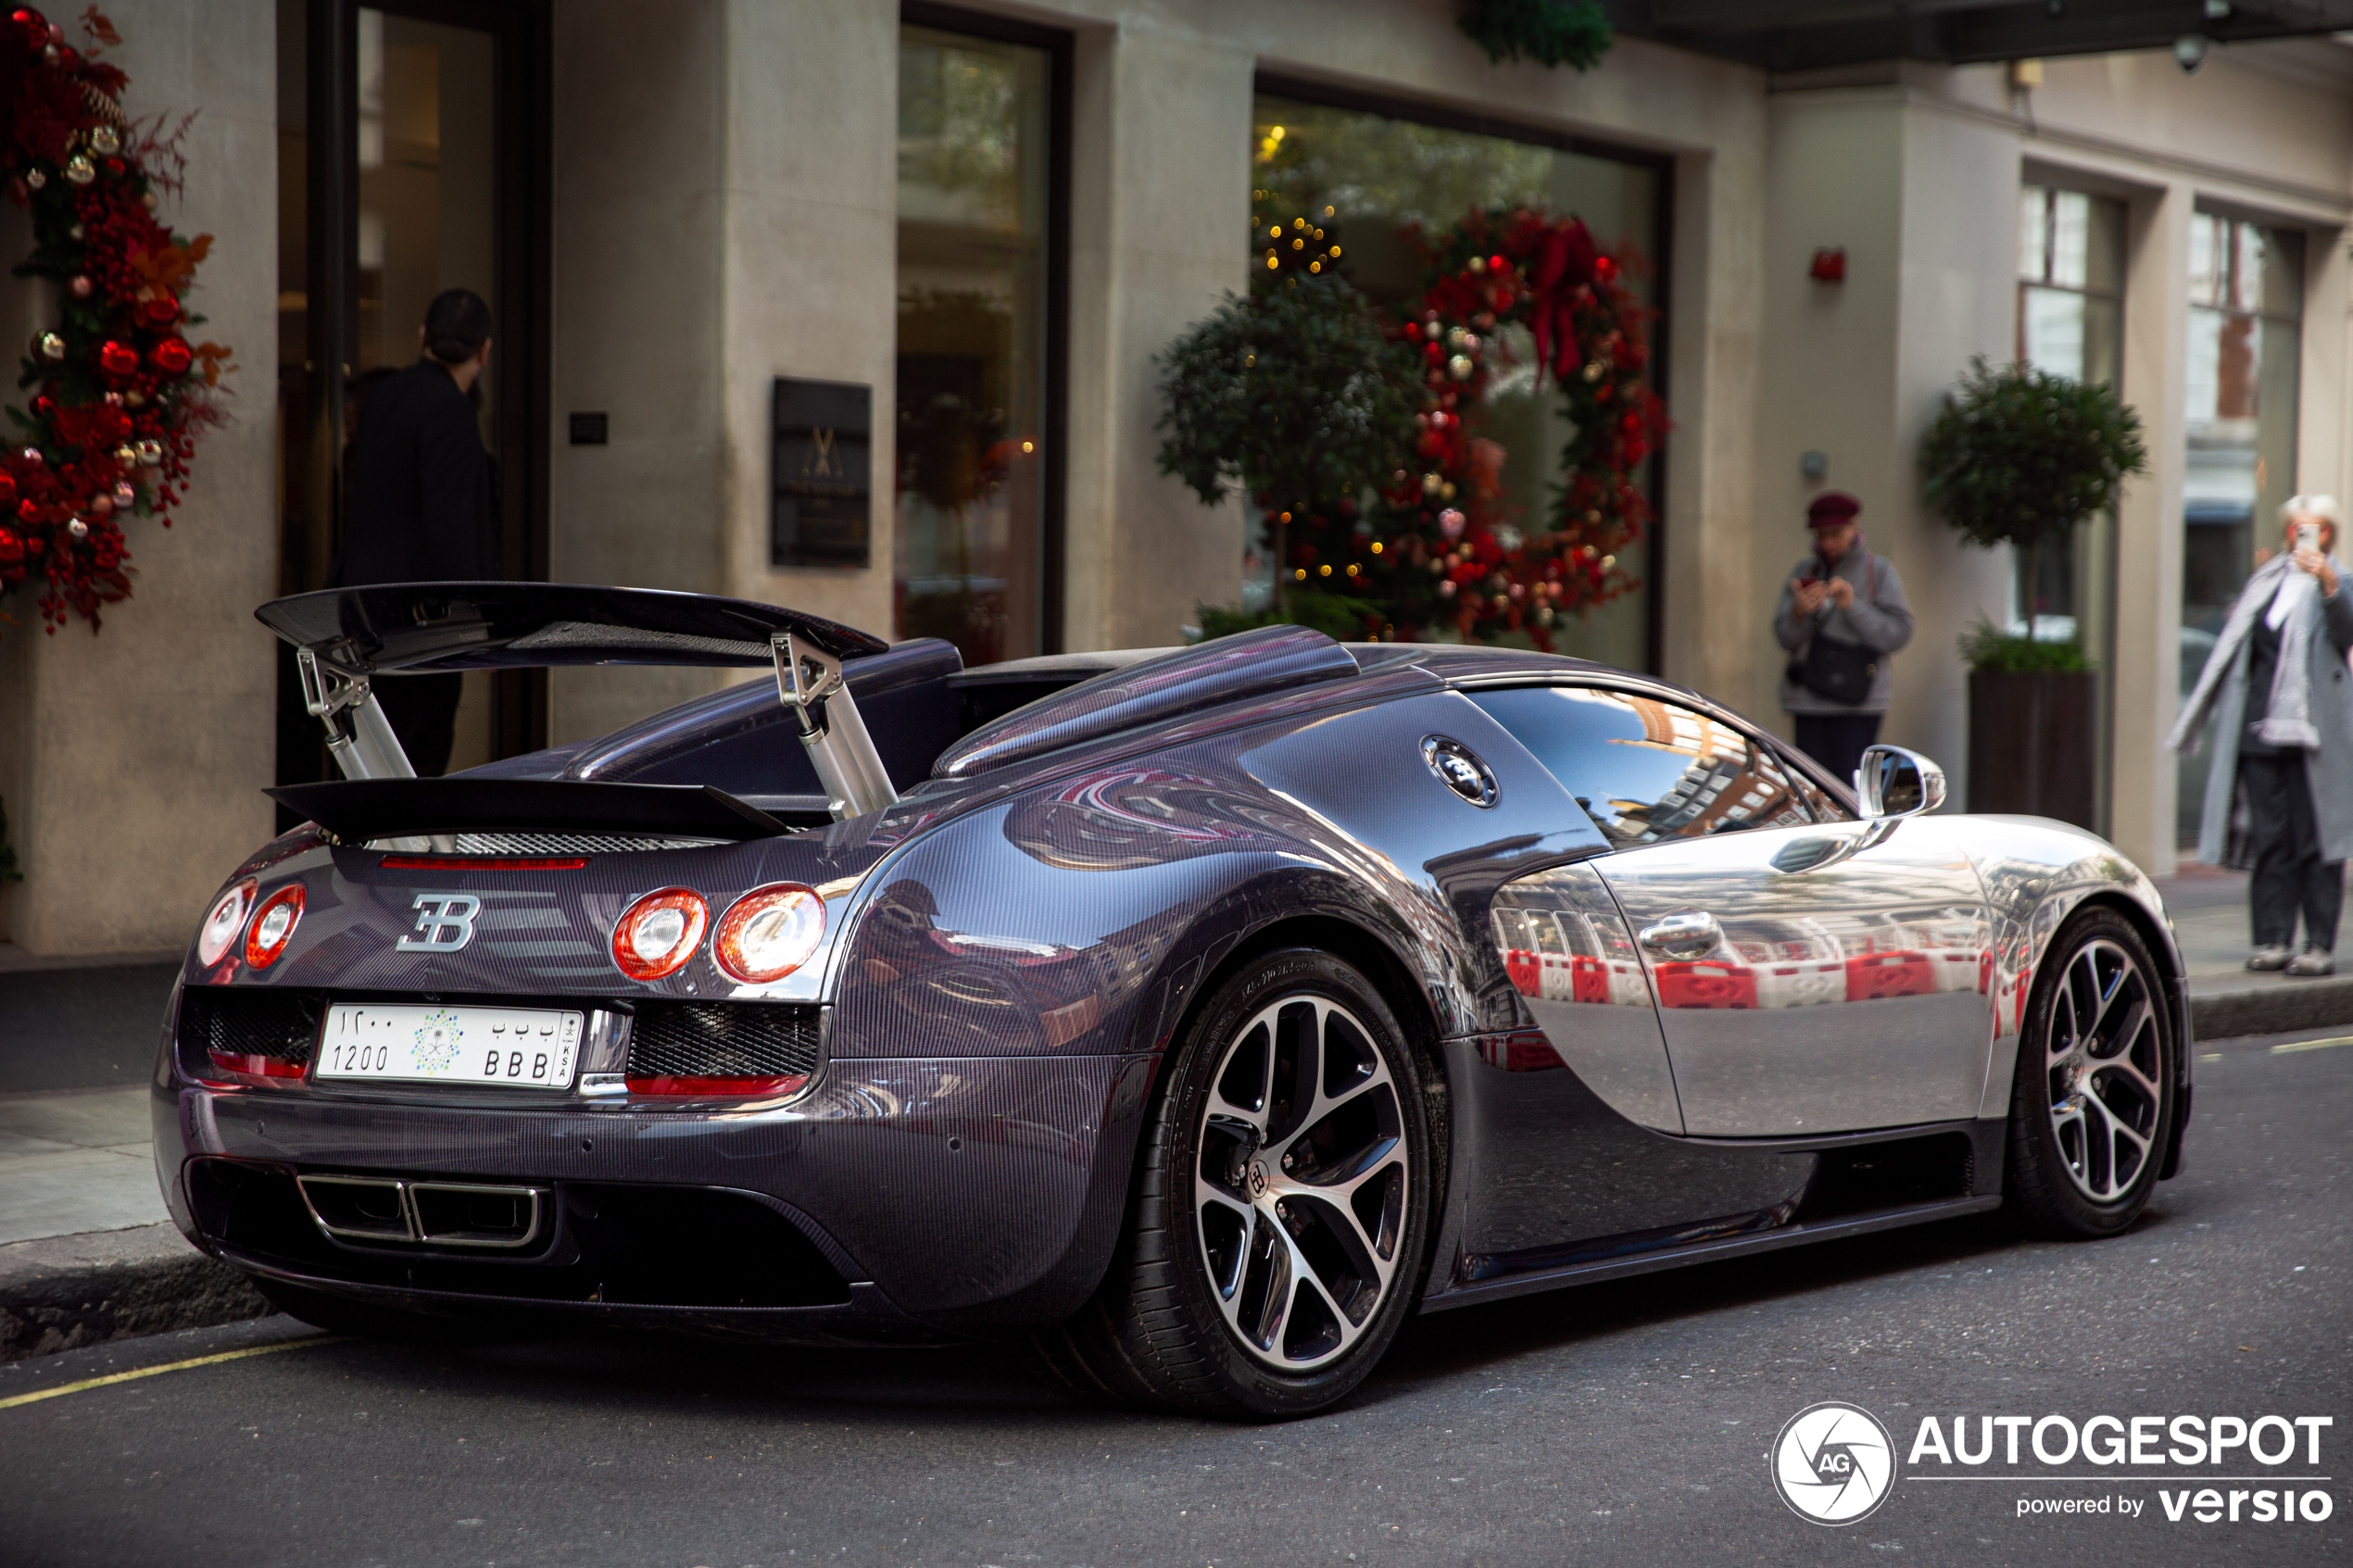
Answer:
[(346, 638)]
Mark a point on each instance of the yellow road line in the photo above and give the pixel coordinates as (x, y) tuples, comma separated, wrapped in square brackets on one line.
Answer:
[(2312, 1045), (167, 1366)]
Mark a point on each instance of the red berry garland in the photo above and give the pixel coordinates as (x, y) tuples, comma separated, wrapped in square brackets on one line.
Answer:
[(1453, 559), (1440, 550), (121, 394)]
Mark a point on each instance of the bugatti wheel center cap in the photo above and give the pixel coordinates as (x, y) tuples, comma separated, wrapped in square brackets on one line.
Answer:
[(1259, 1178)]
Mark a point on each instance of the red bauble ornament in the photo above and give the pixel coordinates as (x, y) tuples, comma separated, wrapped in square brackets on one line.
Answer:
[(159, 312), (172, 357), (44, 406), (26, 510), (8, 489), (118, 358)]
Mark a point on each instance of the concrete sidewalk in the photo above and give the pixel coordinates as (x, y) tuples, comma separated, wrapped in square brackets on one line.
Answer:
[(87, 1255)]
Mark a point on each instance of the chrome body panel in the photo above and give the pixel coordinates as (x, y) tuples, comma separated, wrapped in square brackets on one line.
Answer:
[(1844, 992)]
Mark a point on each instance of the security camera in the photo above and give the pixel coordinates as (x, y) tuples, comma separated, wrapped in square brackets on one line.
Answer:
[(2189, 52)]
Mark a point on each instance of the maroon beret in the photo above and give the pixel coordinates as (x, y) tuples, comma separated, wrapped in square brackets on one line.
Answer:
[(1831, 509)]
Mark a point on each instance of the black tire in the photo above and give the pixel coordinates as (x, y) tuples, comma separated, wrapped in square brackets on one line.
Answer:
[(340, 1314), (2092, 1099), (1162, 1330)]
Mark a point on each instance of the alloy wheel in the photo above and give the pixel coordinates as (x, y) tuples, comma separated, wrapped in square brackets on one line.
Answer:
[(1300, 1181), (2104, 1060)]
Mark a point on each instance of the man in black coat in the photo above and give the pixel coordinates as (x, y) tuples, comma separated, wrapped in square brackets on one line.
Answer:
[(423, 507)]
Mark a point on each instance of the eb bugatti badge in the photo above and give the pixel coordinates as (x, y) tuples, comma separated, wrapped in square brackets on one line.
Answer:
[(1460, 769)]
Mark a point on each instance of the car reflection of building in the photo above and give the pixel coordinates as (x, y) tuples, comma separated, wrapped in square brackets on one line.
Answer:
[(1726, 784), (1568, 955)]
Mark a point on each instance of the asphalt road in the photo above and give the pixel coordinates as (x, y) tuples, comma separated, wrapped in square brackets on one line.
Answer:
[(1617, 1423)]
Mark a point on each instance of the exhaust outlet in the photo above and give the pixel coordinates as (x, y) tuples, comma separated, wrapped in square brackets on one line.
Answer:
[(386, 1209)]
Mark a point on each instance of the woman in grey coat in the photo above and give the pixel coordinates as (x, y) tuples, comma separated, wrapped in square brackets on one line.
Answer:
[(2280, 791)]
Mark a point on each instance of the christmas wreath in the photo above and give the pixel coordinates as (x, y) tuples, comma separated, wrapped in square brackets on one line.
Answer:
[(119, 393), (1444, 547)]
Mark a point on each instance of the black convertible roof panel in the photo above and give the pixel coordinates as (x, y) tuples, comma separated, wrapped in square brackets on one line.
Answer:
[(419, 628), (359, 810), (1248, 664)]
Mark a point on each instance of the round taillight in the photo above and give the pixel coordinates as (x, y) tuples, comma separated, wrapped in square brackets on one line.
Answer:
[(274, 926), (660, 933), (219, 932), (770, 932)]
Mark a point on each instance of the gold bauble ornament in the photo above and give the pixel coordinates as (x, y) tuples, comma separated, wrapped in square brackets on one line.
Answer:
[(151, 453), (80, 170), (104, 141)]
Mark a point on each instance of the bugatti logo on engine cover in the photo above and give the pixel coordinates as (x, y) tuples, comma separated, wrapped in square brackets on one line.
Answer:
[(445, 924), (1460, 769)]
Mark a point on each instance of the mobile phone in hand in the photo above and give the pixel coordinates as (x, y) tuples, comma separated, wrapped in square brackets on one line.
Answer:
[(2308, 536)]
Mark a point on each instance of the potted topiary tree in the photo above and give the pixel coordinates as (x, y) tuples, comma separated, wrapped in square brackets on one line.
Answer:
[(1295, 392), (2020, 457)]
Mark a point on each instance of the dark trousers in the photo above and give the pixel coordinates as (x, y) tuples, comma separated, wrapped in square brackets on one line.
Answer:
[(423, 710), (2289, 876), (1837, 740)]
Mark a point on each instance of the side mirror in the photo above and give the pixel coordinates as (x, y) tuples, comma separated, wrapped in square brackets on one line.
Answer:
[(1895, 782)]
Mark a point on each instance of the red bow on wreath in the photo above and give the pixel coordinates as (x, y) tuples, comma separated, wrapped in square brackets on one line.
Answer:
[(121, 392)]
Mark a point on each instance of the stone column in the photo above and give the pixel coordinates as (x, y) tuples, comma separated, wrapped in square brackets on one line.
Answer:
[(2146, 683), (1159, 232), (133, 761), (1924, 200)]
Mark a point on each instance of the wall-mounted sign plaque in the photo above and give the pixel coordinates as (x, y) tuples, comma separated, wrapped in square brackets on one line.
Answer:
[(820, 469)]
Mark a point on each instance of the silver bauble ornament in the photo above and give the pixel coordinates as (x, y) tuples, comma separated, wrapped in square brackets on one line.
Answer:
[(78, 528), (52, 346), (151, 453), (36, 179), (104, 141), (80, 170)]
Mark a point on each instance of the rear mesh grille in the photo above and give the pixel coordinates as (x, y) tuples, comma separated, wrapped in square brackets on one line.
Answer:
[(249, 1021), (541, 843), (722, 1040)]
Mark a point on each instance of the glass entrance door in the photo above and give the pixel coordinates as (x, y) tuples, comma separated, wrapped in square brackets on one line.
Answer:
[(406, 166)]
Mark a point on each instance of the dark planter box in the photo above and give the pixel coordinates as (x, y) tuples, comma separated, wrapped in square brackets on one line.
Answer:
[(2032, 740)]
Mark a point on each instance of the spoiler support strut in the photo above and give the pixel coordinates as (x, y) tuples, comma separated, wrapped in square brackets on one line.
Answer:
[(358, 735), (808, 682)]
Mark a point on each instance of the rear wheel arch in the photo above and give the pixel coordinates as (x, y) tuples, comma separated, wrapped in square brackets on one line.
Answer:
[(1379, 963)]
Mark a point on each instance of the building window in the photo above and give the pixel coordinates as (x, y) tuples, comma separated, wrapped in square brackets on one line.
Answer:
[(2071, 322), (977, 440), (2246, 298), (1368, 175)]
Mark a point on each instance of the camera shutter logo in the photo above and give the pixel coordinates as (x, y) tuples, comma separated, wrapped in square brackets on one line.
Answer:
[(445, 923), (1834, 1464)]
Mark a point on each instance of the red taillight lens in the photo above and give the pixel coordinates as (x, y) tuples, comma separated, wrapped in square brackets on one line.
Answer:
[(240, 1069), (219, 932), (660, 933), (274, 926), (714, 1088), (770, 932)]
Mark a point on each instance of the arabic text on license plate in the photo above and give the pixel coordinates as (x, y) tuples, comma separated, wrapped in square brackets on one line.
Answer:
[(399, 1042)]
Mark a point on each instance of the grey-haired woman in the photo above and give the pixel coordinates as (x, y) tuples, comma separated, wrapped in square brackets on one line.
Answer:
[(2274, 696)]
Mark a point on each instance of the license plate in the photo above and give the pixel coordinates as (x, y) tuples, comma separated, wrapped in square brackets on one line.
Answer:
[(408, 1043)]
